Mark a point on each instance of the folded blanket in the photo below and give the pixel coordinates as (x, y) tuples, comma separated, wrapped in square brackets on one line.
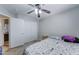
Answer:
[(68, 38)]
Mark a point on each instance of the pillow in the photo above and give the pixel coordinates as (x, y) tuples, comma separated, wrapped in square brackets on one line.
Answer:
[(68, 38), (55, 37)]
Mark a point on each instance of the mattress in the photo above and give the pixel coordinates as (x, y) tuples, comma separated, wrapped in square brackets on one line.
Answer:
[(53, 47)]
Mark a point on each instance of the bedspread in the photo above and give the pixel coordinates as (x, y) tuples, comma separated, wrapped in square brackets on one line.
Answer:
[(53, 47)]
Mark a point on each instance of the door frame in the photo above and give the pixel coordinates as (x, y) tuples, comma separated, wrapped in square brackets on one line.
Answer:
[(2, 17)]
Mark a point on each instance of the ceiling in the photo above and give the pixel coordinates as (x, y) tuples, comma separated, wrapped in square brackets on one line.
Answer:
[(24, 8)]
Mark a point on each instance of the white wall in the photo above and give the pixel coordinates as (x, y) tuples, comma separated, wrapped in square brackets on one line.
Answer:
[(62, 23), (22, 31), (31, 27), (16, 32)]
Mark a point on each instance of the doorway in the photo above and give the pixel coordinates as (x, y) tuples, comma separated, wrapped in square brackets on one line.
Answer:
[(5, 32)]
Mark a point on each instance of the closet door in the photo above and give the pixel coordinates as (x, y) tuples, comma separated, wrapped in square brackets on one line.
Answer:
[(16, 32), (1, 33)]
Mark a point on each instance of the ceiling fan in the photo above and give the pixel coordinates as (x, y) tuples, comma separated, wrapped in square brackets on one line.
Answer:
[(38, 9)]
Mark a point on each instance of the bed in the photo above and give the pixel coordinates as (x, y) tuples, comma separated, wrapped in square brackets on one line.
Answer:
[(52, 46)]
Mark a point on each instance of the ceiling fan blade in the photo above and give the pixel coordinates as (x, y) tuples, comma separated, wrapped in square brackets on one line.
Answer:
[(30, 11), (44, 10), (31, 5)]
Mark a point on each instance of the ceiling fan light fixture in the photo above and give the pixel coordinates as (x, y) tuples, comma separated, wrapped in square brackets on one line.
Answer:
[(36, 11), (40, 11)]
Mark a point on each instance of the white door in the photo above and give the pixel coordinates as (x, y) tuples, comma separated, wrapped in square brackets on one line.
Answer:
[(16, 32), (1, 33)]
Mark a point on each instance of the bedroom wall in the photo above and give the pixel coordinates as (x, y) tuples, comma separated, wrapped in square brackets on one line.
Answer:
[(31, 27), (22, 30), (60, 24)]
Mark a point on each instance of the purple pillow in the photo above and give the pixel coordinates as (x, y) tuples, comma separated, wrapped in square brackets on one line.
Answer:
[(69, 38)]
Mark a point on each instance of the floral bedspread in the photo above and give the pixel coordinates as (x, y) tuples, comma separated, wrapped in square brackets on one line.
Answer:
[(53, 47)]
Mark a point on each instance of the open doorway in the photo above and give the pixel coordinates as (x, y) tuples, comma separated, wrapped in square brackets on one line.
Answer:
[(5, 32)]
